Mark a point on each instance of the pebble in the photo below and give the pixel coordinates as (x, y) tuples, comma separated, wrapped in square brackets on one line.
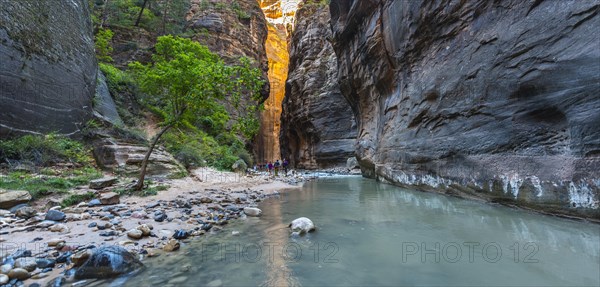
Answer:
[(159, 216), (181, 234), (21, 252), (27, 263), (104, 225), (92, 225), (135, 234), (80, 257), (55, 242), (109, 233), (139, 215), (44, 263), (4, 269), (55, 215), (215, 283), (94, 202), (235, 233), (145, 229), (63, 257), (25, 212), (206, 200), (153, 204), (40, 276), (171, 245), (252, 211), (4, 279), (19, 274), (59, 228)]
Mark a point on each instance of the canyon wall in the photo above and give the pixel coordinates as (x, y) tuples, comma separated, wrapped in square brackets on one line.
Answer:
[(48, 66), (280, 18), (496, 100), (318, 126)]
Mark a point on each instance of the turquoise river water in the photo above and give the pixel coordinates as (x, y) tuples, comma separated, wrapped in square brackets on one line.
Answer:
[(374, 234)]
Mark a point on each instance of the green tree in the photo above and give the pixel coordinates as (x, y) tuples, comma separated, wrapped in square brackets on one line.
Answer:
[(186, 78)]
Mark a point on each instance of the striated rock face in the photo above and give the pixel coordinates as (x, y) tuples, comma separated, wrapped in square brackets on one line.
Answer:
[(126, 158), (48, 66), (487, 99), (319, 128)]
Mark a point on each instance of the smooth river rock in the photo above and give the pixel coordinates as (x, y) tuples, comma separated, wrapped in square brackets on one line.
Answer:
[(108, 261), (301, 226), (252, 211), (55, 215)]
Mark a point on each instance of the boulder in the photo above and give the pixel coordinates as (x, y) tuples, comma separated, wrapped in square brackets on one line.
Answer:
[(108, 261), (103, 182), (252, 211), (301, 226), (109, 198), (10, 198)]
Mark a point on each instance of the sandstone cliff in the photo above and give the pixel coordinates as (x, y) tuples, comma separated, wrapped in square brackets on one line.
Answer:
[(489, 99), (230, 29), (318, 126), (48, 66)]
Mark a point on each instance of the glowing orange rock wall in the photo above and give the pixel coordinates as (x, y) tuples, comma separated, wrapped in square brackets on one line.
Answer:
[(280, 17)]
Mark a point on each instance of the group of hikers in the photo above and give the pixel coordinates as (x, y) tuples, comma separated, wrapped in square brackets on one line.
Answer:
[(273, 167)]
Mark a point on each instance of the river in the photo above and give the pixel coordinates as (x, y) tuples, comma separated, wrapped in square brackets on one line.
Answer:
[(375, 234)]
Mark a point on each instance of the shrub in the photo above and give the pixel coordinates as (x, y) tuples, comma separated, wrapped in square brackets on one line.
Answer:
[(103, 46), (44, 150)]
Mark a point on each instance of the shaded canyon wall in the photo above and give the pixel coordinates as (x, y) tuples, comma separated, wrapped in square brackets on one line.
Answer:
[(318, 126), (47, 66), (497, 100)]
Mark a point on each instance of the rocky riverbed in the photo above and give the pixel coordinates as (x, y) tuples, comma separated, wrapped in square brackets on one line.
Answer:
[(47, 246)]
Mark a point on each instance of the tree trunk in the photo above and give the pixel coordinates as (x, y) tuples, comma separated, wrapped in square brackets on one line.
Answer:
[(140, 183), (137, 22)]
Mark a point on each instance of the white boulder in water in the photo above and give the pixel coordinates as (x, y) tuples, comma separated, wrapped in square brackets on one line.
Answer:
[(252, 211), (301, 226)]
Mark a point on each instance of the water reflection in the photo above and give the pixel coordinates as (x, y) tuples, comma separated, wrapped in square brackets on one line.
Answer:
[(377, 234)]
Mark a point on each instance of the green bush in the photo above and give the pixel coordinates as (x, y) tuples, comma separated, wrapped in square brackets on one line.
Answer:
[(74, 199), (103, 46), (44, 150), (39, 186)]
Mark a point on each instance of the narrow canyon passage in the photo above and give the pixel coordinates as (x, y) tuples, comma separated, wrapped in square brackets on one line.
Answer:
[(280, 18)]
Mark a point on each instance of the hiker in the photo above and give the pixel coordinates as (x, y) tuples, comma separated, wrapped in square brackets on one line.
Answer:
[(270, 167), (277, 165), (285, 166)]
